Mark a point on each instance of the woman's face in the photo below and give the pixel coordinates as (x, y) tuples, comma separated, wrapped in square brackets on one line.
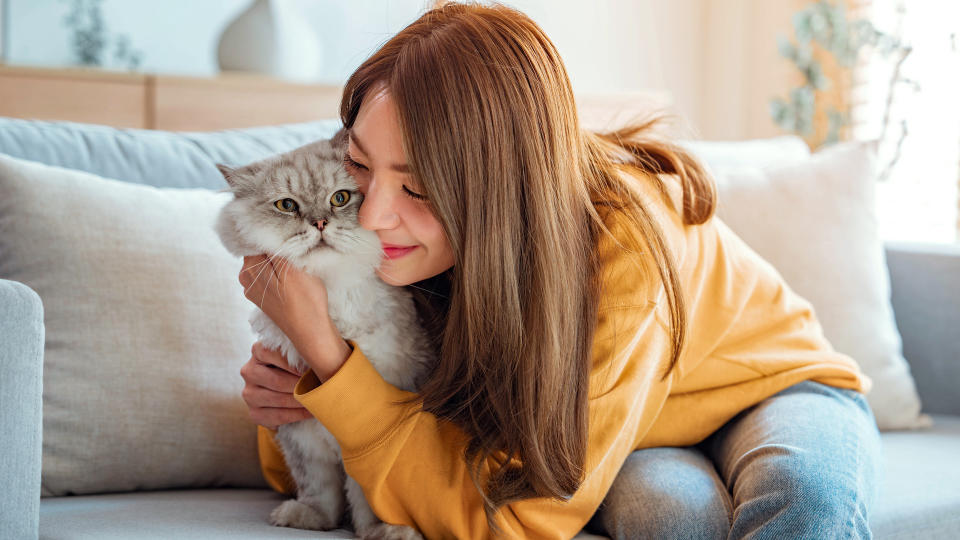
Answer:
[(413, 241)]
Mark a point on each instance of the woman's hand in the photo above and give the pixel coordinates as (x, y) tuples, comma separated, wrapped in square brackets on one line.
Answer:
[(268, 388), (297, 303)]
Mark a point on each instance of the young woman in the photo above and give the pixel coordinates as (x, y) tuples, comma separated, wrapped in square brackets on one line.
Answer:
[(602, 337)]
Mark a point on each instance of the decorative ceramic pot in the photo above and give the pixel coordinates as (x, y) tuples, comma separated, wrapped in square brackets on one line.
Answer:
[(271, 37)]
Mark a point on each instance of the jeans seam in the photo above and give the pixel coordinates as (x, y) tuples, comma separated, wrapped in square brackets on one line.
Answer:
[(853, 513), (855, 474)]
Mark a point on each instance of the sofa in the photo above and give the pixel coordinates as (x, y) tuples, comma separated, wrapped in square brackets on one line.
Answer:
[(920, 492)]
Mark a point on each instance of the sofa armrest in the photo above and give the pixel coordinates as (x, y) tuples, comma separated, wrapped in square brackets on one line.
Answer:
[(21, 400), (925, 291)]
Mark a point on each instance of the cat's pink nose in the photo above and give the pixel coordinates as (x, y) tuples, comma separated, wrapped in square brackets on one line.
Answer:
[(321, 224)]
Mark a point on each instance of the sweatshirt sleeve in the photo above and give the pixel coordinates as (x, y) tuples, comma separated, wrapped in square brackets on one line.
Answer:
[(412, 470), (272, 463)]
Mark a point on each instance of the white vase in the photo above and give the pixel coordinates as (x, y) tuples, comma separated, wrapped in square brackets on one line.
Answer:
[(271, 37)]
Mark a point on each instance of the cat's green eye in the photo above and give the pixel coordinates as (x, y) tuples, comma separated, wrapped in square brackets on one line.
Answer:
[(287, 205), (340, 198)]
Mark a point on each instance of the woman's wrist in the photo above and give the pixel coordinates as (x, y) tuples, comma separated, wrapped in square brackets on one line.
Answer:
[(327, 351)]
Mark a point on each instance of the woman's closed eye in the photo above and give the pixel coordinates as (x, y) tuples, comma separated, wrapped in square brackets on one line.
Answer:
[(413, 195), (355, 167), (349, 163)]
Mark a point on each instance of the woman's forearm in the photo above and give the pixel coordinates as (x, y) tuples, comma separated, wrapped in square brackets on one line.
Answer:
[(325, 351)]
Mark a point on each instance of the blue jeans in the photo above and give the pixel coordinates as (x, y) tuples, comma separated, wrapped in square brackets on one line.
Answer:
[(803, 463)]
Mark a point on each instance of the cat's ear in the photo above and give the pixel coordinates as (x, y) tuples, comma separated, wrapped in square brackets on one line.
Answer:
[(230, 175), (242, 180), (240, 176)]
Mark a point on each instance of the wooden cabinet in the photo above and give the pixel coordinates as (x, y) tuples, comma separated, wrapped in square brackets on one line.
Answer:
[(175, 103)]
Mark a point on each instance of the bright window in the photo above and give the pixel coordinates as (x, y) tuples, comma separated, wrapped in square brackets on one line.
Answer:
[(918, 201)]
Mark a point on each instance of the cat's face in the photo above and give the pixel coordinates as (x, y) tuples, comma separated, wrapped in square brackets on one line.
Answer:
[(301, 205)]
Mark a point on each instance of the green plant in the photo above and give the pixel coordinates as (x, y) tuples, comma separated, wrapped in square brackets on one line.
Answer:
[(90, 39), (827, 25)]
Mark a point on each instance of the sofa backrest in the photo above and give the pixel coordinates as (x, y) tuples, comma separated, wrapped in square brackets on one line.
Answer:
[(156, 158)]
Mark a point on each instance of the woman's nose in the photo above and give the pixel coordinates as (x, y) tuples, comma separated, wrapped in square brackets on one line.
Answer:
[(376, 210)]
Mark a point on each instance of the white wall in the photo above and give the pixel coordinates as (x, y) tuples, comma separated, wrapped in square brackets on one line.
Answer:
[(181, 36), (717, 58), (741, 68)]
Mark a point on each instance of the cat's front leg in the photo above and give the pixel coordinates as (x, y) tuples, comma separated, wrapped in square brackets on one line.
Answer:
[(320, 499), (386, 531), (303, 515), (367, 525), (361, 515), (317, 512)]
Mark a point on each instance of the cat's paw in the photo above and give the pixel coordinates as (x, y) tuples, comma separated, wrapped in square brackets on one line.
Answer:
[(293, 513), (386, 531)]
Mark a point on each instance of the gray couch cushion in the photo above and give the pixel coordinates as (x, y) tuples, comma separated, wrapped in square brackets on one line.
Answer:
[(157, 158), (918, 499), (204, 513), (209, 514), (925, 281), (919, 494), (21, 382)]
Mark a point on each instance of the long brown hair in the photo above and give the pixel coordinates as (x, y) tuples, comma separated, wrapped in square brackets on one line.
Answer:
[(490, 130)]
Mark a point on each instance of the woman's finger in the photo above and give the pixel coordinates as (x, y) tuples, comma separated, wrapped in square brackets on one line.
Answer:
[(258, 396), (272, 357), (271, 417), (267, 376)]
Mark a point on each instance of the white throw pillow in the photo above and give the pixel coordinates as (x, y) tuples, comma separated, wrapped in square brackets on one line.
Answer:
[(146, 331), (815, 221), (749, 153)]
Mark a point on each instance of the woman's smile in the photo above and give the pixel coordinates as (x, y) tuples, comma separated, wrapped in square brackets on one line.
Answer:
[(395, 252)]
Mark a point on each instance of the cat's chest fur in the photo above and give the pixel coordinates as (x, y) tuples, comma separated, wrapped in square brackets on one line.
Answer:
[(379, 318), (382, 321)]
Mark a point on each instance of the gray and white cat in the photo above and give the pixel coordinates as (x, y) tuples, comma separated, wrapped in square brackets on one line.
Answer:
[(302, 205)]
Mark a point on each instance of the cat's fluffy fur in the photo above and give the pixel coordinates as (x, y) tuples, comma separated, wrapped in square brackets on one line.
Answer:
[(381, 319)]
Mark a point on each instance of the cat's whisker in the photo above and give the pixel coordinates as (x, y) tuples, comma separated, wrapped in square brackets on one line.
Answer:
[(265, 264), (284, 263), (264, 295), (261, 263), (284, 266), (263, 267)]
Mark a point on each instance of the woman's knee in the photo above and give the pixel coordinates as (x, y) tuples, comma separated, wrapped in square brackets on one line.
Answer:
[(665, 493), (788, 493)]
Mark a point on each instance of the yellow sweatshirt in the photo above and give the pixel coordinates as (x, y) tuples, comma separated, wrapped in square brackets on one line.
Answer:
[(748, 337)]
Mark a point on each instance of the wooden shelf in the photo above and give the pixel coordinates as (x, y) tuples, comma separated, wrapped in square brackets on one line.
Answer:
[(168, 102)]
